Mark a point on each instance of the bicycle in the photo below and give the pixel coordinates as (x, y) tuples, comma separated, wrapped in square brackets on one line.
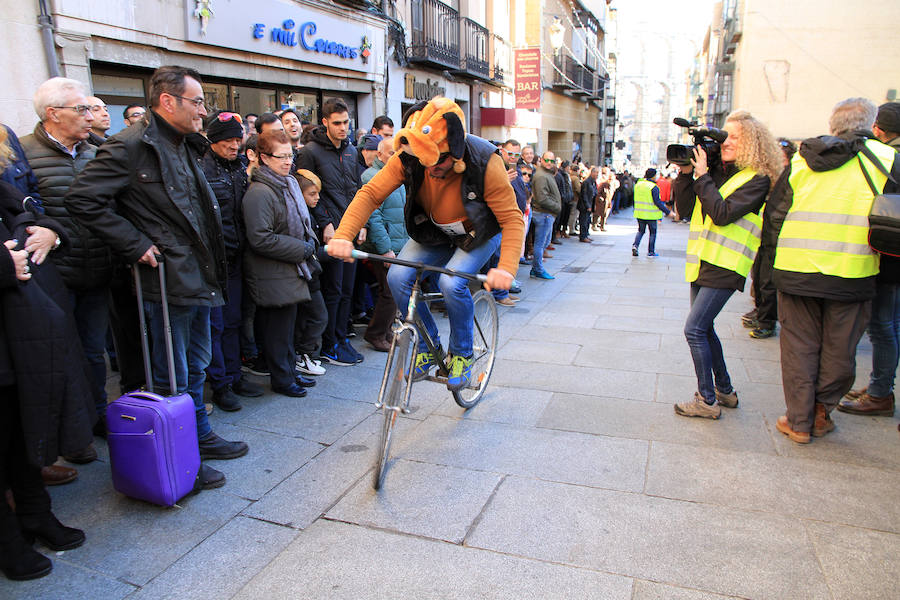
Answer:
[(396, 384)]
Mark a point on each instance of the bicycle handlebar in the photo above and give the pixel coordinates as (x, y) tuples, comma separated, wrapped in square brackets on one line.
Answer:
[(359, 254)]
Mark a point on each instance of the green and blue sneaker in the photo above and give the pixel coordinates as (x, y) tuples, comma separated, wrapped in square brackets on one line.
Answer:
[(424, 363), (460, 372)]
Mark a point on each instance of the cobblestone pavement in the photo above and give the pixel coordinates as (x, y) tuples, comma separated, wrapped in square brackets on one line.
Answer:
[(572, 479)]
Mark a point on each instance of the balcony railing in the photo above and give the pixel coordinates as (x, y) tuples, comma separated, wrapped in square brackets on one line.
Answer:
[(502, 62), (434, 29), (474, 49), (574, 78)]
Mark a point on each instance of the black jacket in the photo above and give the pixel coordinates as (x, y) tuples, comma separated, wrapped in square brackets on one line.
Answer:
[(88, 265), (825, 153), (125, 196), (40, 351), (748, 198), (564, 185), (228, 180), (479, 216), (339, 171), (588, 192)]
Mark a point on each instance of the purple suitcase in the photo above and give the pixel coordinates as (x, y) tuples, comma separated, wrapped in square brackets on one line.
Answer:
[(153, 448)]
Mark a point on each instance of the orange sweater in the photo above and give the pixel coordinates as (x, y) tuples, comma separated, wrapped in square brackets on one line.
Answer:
[(442, 199)]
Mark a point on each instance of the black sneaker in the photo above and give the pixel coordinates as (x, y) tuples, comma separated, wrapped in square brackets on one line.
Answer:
[(214, 447), (351, 351), (225, 399), (247, 389), (339, 356), (257, 366), (50, 532)]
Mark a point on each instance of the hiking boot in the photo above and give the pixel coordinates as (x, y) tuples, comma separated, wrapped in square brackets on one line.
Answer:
[(749, 317), (380, 344), (309, 366), (761, 333), (782, 425), (867, 404), (460, 372), (508, 301), (53, 534), (854, 394), (823, 423), (424, 363), (20, 562), (698, 408), (727, 400), (226, 399)]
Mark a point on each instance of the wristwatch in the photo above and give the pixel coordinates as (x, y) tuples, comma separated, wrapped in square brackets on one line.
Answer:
[(57, 243)]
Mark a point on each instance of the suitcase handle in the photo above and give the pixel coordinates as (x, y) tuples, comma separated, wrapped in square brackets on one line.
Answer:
[(167, 325), (145, 396)]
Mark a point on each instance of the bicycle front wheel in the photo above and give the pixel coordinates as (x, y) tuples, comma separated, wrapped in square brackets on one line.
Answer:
[(401, 361), (486, 332)]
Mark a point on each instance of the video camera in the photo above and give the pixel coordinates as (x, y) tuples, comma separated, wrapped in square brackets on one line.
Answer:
[(708, 138)]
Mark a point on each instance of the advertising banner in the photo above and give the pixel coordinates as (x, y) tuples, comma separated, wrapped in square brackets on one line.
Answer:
[(528, 78)]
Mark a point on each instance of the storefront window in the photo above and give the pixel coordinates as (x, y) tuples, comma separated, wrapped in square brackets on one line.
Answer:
[(305, 104), (118, 92), (216, 96), (252, 100)]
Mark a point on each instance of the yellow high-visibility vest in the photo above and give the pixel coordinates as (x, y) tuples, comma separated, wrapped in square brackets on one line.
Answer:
[(732, 246), (826, 229), (644, 208)]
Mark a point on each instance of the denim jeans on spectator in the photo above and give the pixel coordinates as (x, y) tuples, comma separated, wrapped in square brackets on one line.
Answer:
[(337, 289), (706, 349), (543, 229), (225, 326), (192, 349), (457, 297), (643, 224), (90, 309), (312, 317), (884, 331)]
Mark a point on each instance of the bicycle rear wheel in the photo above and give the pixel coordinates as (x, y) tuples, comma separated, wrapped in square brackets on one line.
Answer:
[(486, 331), (393, 392)]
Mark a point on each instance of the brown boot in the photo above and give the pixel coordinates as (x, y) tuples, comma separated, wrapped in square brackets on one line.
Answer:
[(854, 394), (823, 423), (782, 425), (869, 405), (58, 475)]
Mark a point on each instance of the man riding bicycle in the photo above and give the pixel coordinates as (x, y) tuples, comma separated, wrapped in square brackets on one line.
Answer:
[(458, 199)]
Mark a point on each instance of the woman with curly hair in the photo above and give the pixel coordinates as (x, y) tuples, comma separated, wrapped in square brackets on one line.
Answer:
[(725, 207)]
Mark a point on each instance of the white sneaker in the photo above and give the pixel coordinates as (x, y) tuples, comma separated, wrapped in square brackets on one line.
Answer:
[(308, 366)]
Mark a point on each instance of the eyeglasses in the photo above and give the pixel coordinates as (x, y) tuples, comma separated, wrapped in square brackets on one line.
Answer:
[(514, 154), (227, 116), (549, 160), (98, 107), (526, 174), (81, 109), (284, 157), (198, 102), (136, 114)]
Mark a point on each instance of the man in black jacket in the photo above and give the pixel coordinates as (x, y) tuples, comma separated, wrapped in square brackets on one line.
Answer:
[(145, 195), (228, 179), (332, 157), (565, 193), (585, 204)]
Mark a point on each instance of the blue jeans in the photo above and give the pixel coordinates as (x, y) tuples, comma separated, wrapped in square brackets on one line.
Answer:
[(192, 349), (492, 264), (457, 297), (884, 331), (706, 349), (225, 328), (643, 224), (543, 228), (91, 312)]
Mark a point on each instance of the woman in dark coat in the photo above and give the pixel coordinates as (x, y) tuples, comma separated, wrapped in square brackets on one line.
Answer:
[(45, 400), (281, 257)]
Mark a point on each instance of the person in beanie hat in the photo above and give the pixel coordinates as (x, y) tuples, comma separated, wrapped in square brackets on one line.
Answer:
[(458, 199), (887, 124), (368, 150), (228, 179)]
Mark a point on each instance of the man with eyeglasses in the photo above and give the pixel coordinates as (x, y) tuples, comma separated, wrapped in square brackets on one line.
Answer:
[(146, 195), (133, 113), (57, 151), (100, 124), (546, 202)]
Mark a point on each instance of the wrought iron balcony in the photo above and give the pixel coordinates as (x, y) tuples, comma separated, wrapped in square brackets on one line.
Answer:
[(473, 49), (573, 78), (502, 62), (434, 29)]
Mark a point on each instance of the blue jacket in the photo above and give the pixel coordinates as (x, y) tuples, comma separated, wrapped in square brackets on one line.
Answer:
[(521, 189), (18, 172), (387, 225)]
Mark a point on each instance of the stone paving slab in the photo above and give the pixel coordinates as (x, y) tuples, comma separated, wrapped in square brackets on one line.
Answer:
[(736, 430), (576, 380), (67, 580), (428, 500), (649, 590), (515, 406), (858, 563), (221, 565), (710, 548), (544, 352), (340, 561), (597, 338), (553, 455), (640, 324), (803, 488)]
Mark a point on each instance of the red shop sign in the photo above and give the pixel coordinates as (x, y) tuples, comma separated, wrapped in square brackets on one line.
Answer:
[(528, 78)]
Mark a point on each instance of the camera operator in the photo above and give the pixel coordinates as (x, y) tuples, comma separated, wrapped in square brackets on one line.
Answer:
[(723, 202)]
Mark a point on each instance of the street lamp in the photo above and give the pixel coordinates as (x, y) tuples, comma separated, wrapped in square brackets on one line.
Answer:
[(557, 35)]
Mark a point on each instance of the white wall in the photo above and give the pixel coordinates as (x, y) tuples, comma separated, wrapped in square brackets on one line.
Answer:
[(22, 56)]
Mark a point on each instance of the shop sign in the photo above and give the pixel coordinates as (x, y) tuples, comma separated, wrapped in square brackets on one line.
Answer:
[(284, 29), (421, 91), (528, 78)]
